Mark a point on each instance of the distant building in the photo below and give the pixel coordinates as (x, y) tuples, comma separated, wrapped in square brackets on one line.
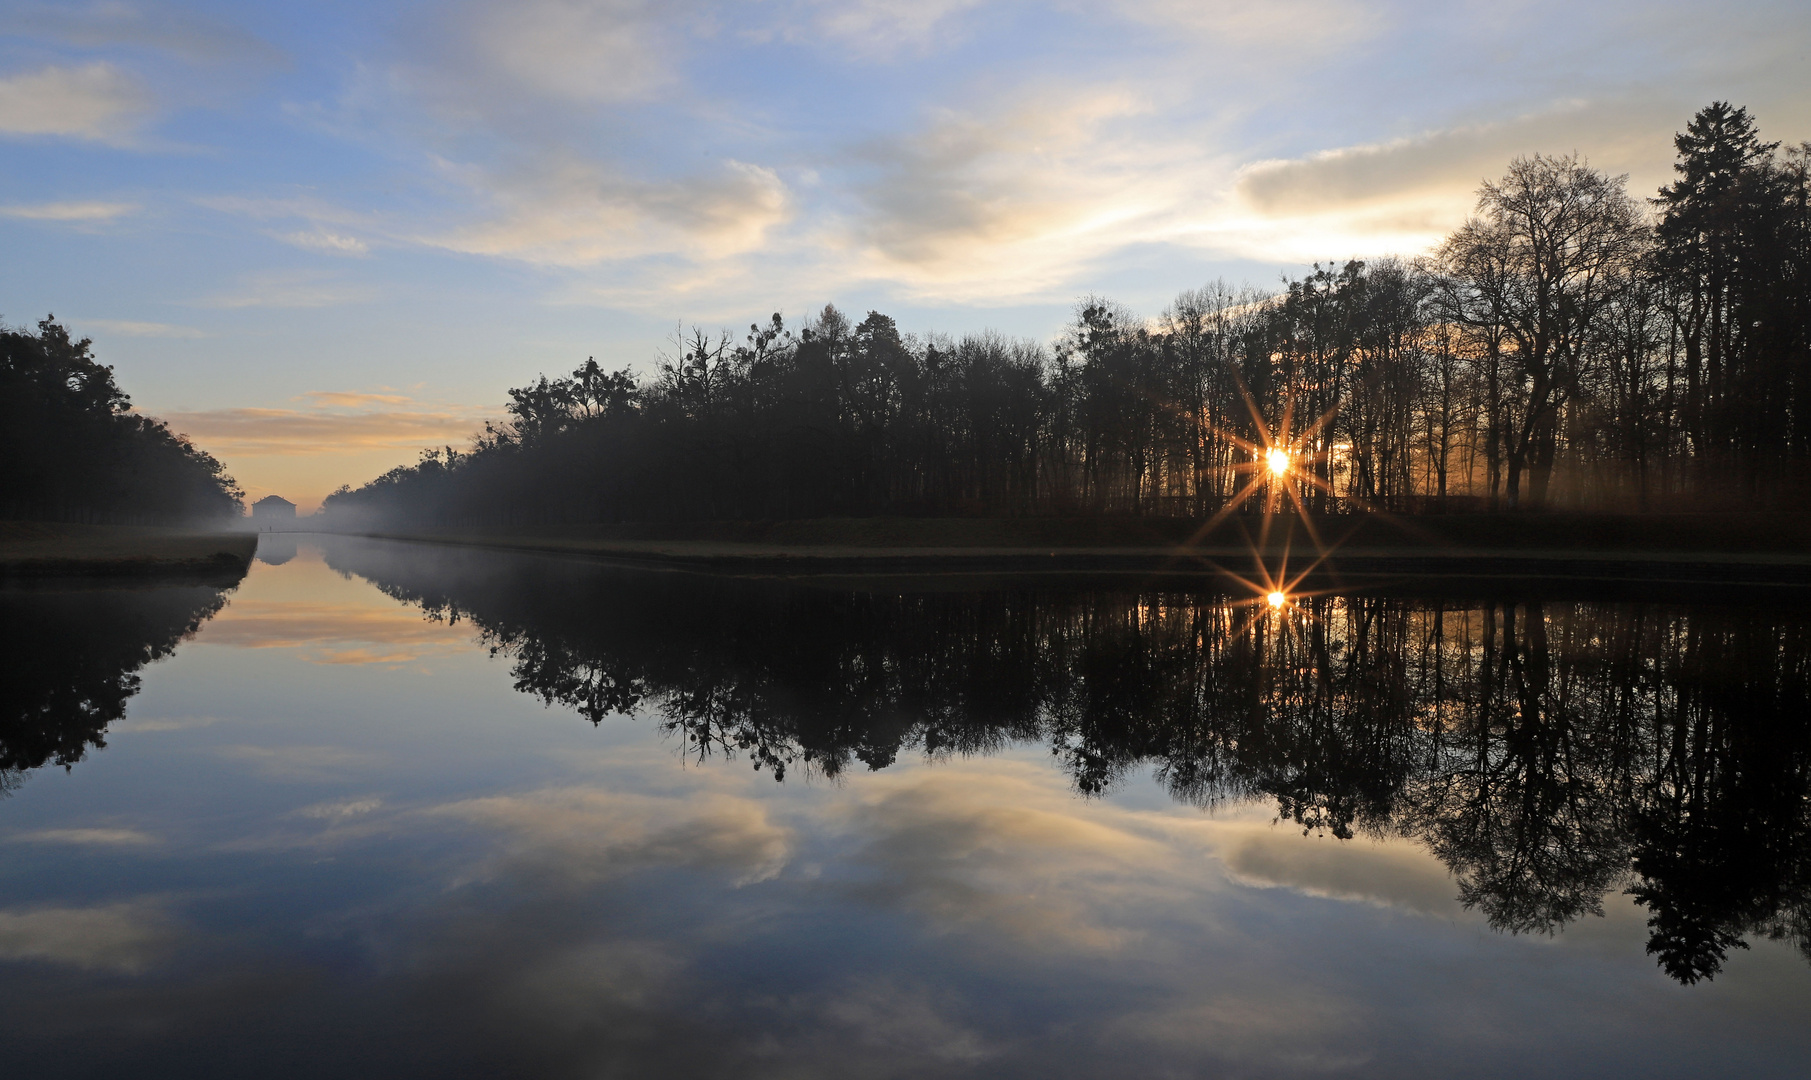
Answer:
[(273, 510)]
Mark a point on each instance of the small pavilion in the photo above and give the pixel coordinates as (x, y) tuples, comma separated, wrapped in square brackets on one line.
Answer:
[(273, 510)]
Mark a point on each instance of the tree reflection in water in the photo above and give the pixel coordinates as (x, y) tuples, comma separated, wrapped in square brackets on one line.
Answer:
[(1548, 753), (69, 661)]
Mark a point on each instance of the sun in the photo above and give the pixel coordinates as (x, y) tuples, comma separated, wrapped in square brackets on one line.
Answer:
[(1278, 460), (1276, 599)]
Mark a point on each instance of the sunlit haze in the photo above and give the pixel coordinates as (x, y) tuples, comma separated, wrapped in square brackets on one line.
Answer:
[(320, 237)]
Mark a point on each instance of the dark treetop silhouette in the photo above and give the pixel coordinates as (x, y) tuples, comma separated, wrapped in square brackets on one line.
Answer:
[(1548, 753), (69, 659), (1562, 348), (71, 450)]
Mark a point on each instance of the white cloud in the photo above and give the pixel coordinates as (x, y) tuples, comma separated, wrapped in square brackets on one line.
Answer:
[(125, 937), (592, 833), (69, 211), (340, 810), (328, 243), (1015, 201), (568, 212), (85, 837), (94, 101), (1404, 195)]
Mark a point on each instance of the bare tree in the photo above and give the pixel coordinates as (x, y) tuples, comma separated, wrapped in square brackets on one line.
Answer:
[(1553, 244)]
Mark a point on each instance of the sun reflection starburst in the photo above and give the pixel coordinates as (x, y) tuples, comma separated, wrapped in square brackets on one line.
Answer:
[(1286, 476)]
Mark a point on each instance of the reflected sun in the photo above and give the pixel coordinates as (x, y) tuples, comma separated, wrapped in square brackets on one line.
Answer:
[(1278, 459)]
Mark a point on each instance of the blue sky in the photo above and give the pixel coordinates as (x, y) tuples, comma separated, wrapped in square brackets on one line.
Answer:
[(318, 236)]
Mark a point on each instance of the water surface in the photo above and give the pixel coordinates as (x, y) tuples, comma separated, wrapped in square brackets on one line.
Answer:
[(389, 809)]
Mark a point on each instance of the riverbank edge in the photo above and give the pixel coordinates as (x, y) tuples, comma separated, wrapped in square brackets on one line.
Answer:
[(1774, 551), (31, 550)]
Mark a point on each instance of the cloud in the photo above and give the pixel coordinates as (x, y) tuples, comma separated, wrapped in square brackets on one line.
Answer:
[(143, 25), (328, 243), (1014, 200), (587, 833), (340, 810), (884, 26), (1437, 164), (139, 724), (125, 937), (292, 290), (509, 64), (1404, 195), (250, 431), (85, 837), (1012, 854), (568, 212), (1395, 874), (302, 764), (349, 399), (903, 1021), (94, 101), (1295, 25), (327, 633), (69, 211), (134, 328), (596, 51)]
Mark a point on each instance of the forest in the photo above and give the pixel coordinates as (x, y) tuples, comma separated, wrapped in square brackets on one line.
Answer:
[(1570, 346), (75, 451)]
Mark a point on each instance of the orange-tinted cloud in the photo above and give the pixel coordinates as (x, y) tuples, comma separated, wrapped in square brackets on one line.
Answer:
[(328, 633), (320, 431)]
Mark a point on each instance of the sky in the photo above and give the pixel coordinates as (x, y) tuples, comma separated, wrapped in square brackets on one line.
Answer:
[(317, 237)]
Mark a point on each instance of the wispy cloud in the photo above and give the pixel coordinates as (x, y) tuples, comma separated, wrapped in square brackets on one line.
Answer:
[(299, 764), (134, 328), (292, 290), (591, 833), (1404, 195), (140, 25), (340, 423), (85, 837), (888, 27), (95, 101), (326, 242), (324, 633), (352, 399), (569, 212), (126, 937), (69, 211)]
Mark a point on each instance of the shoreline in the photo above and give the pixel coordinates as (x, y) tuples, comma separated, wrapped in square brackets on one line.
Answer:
[(1367, 554), (35, 550)]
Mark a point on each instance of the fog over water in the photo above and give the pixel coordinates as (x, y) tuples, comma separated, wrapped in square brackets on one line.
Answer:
[(388, 809)]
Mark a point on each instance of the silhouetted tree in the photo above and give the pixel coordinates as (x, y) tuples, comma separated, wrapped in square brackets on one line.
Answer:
[(72, 450)]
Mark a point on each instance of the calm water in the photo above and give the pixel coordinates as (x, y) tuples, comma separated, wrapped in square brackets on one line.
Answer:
[(394, 810)]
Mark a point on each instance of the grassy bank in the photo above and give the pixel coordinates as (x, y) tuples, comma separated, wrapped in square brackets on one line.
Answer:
[(1711, 533), (1698, 549), (30, 549)]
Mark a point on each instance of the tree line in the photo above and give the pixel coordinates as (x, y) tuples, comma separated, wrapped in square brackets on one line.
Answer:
[(72, 449), (1567, 346), (1549, 753)]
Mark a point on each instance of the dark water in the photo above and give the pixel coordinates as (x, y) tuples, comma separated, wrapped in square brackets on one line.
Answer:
[(403, 811)]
